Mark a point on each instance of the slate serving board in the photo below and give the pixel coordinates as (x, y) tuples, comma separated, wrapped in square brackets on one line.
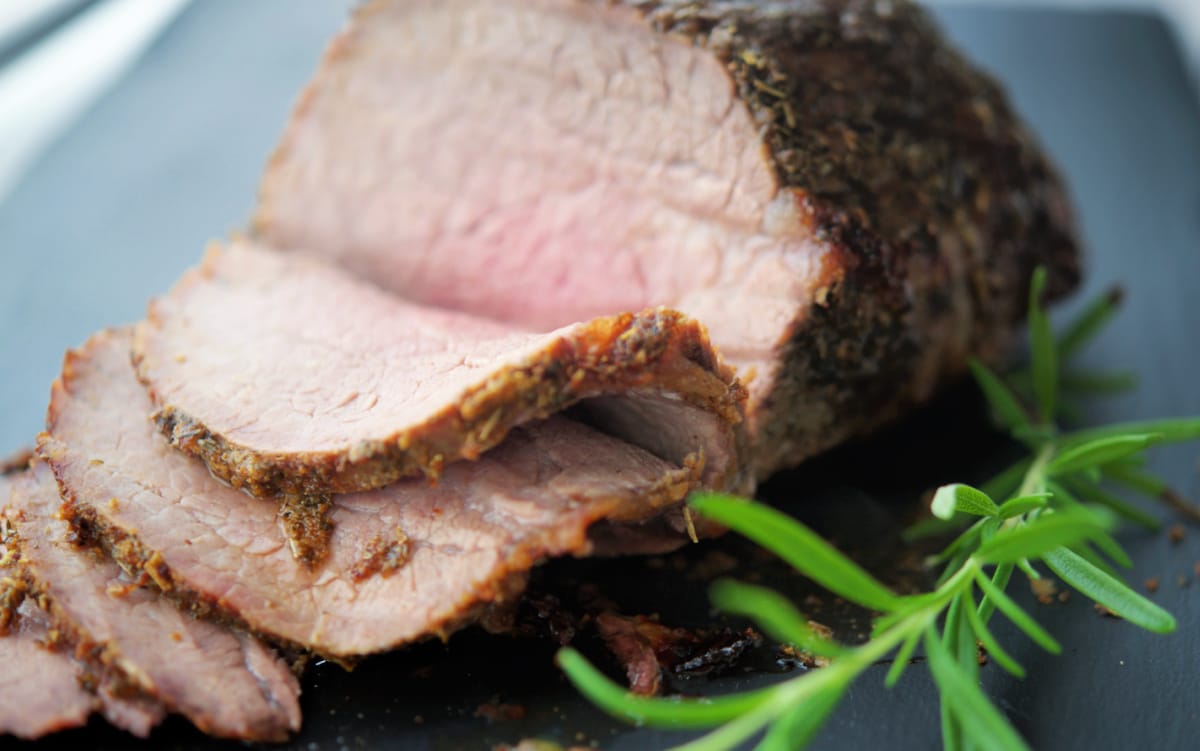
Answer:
[(169, 159)]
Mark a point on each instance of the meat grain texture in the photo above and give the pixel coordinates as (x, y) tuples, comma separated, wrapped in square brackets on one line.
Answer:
[(849, 206), (570, 259), (467, 541), (228, 684)]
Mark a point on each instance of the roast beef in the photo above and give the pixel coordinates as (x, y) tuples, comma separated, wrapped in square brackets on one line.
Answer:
[(39, 689), (849, 206), (44, 688), (290, 375), (405, 562), (228, 684)]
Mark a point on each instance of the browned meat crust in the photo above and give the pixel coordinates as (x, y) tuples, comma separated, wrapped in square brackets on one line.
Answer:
[(911, 163), (660, 351), (468, 543), (903, 162)]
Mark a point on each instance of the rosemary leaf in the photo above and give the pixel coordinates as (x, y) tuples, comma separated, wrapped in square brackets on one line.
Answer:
[(659, 712), (1043, 353), (1099, 452), (901, 660), (773, 613), (804, 549), (951, 499), (1022, 505), (1019, 617), (1088, 323), (798, 727), (1033, 538), (1005, 406), (989, 642), (1108, 591), (988, 728)]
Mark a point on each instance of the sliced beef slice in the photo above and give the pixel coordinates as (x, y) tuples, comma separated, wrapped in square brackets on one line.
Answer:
[(849, 206), (40, 691), (405, 562), (43, 687), (227, 683), (66, 688), (290, 375)]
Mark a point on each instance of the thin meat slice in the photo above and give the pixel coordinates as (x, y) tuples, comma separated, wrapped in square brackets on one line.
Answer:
[(44, 688), (227, 683), (406, 562), (40, 691), (284, 374), (848, 205)]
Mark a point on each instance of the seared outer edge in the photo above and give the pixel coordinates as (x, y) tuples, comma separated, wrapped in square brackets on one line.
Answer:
[(12, 464), (99, 662), (152, 567), (141, 561), (103, 659), (935, 201), (656, 349)]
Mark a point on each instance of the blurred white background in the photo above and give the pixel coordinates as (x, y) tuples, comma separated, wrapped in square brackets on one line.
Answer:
[(57, 56)]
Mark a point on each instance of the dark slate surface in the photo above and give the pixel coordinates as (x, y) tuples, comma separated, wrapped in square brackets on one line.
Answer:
[(169, 160)]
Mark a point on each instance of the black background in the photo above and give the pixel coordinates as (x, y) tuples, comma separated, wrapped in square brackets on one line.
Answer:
[(169, 160)]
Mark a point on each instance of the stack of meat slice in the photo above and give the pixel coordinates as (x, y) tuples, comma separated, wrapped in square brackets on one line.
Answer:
[(83, 637), (443, 355)]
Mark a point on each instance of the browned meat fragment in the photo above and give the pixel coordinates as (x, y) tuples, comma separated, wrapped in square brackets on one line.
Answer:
[(471, 539), (647, 648), (290, 375), (228, 684), (305, 523), (848, 205)]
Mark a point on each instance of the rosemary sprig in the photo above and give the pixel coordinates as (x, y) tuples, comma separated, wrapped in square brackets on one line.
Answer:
[(1050, 510)]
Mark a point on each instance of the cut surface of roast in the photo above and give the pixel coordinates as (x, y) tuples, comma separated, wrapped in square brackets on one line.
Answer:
[(405, 562), (849, 207), (40, 691), (285, 374), (44, 687), (227, 683)]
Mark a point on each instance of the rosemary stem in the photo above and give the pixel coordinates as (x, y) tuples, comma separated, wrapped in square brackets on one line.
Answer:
[(1035, 477)]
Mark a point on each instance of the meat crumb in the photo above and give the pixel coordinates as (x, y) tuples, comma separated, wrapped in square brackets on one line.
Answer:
[(821, 630), (1044, 590), (383, 557), (535, 744), (1064, 595), (1102, 610), (807, 659), (176, 636), (1152, 584), (496, 712), (118, 590), (1175, 534)]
